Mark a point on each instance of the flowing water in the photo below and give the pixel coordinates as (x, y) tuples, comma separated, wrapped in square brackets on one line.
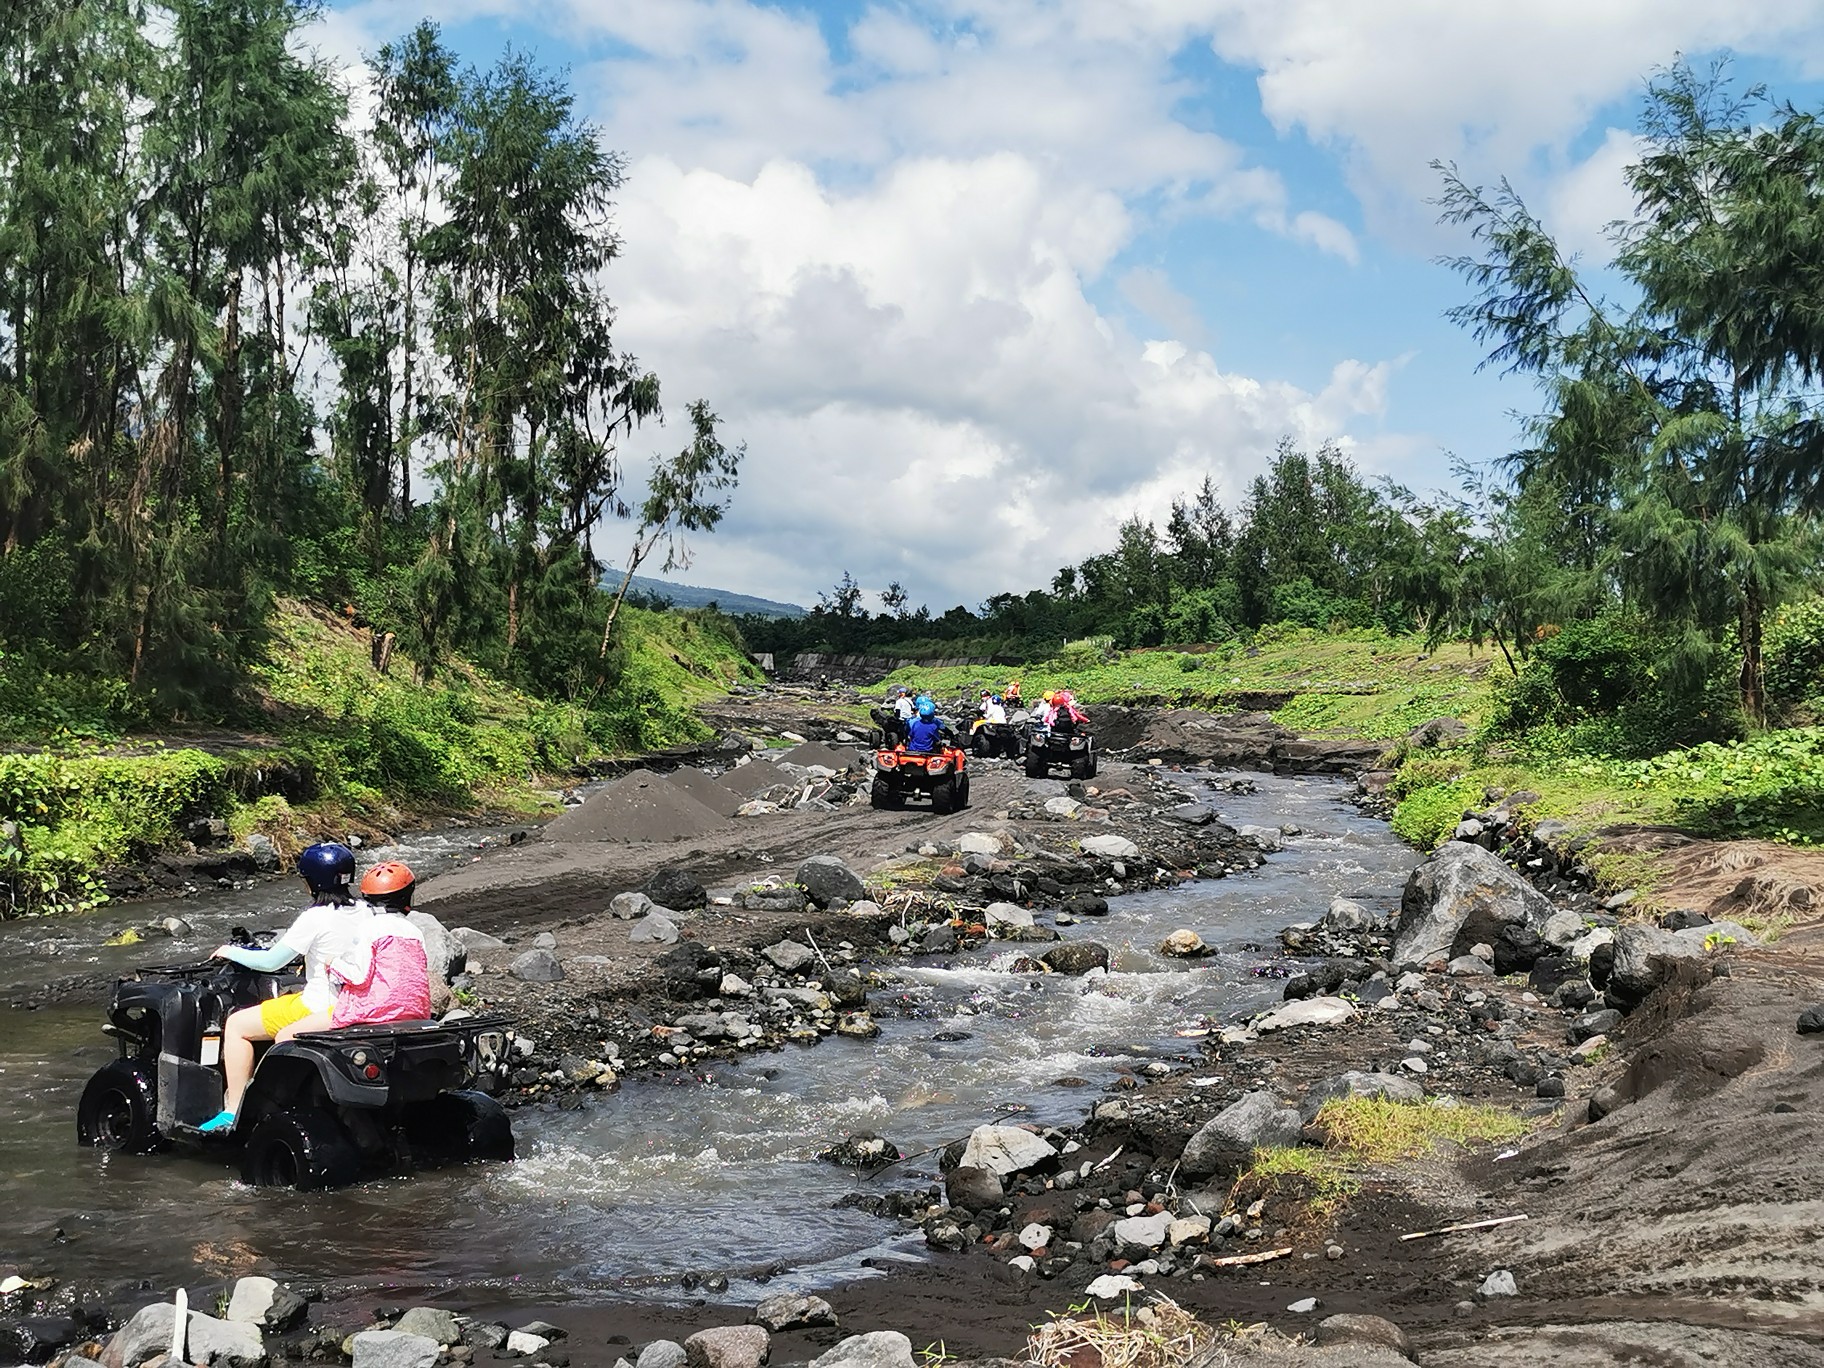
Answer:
[(668, 1175)]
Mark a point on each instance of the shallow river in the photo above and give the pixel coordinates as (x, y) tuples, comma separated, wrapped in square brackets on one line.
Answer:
[(663, 1177)]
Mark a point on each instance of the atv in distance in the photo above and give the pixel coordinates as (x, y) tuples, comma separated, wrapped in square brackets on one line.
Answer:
[(322, 1107), (989, 739), (940, 775), (1066, 742)]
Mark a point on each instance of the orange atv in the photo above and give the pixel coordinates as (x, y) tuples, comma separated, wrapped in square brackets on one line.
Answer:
[(941, 775)]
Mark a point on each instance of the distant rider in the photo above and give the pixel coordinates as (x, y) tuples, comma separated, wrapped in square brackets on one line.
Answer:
[(995, 711), (385, 976), (926, 730)]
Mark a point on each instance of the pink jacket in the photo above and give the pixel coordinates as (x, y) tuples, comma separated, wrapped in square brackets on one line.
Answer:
[(385, 977)]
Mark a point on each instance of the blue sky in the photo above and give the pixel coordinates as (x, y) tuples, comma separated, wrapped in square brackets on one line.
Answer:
[(976, 279)]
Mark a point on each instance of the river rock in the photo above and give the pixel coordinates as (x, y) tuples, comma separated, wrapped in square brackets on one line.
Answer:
[(1345, 915), (476, 942), (790, 1311), (227, 1344), (1354, 1083), (1265, 837), (537, 966), (972, 1189), (1317, 1011), (655, 928), (1112, 1285), (36, 1339), (1500, 1283), (629, 906), (1358, 1330), (1002, 1150), (1110, 847), (250, 1300), (1462, 895), (1137, 1236), (863, 1150), (525, 1344), (1642, 953), (433, 1322), (770, 897), (1004, 915), (1076, 957), (728, 1346), (1256, 1120), (394, 1349), (675, 888), (790, 956), (826, 880), (1191, 814), (662, 1354), (876, 1349), (1063, 807), (146, 1336), (978, 843), (857, 1026), (1183, 944), (265, 853)]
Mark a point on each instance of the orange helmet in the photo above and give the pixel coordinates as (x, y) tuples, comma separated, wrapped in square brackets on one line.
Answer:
[(389, 883)]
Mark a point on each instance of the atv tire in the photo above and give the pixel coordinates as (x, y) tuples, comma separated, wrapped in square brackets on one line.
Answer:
[(119, 1110), (884, 796), (1035, 762), (460, 1128), (303, 1149), (1082, 767), (962, 791), (943, 796)]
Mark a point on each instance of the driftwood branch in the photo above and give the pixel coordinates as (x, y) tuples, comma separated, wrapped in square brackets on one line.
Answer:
[(1464, 1225), (1237, 1260)]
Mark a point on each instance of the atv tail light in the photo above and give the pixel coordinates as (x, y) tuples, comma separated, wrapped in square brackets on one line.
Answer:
[(886, 760), (371, 1071), (937, 766)]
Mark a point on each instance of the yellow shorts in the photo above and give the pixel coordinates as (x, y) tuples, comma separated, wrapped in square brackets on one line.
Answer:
[(279, 1012)]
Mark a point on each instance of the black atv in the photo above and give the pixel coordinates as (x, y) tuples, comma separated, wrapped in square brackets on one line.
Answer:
[(321, 1108), (989, 739), (1066, 742)]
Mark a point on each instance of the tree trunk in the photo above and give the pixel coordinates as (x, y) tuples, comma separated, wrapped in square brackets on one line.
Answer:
[(1754, 672), (640, 551)]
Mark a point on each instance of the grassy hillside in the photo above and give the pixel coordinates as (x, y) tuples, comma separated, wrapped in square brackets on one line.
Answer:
[(1352, 683), (328, 745)]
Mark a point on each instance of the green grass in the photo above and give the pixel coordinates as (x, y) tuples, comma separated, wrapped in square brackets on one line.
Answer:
[(1358, 683), (338, 745)]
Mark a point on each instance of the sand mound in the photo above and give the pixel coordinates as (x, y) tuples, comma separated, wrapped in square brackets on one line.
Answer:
[(641, 806), (707, 790), (750, 778), (838, 758)]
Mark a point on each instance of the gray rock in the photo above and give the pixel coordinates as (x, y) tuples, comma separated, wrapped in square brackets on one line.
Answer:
[(1642, 954), (1110, 847), (877, 1349), (1191, 814), (393, 1349), (790, 956), (265, 853), (1469, 966), (1257, 1120), (525, 1344), (1005, 914), (728, 1346), (630, 907), (545, 940), (1002, 1150), (1357, 1084), (537, 966), (433, 1322), (972, 1189), (229, 1344), (1500, 1283), (662, 1354), (250, 1300), (978, 843), (827, 880), (1462, 895), (1593, 1024), (1345, 915), (792, 1312), (146, 1336), (477, 942), (1138, 1236), (1363, 1330), (1266, 837), (1562, 928), (1315, 1011), (655, 928), (446, 956), (1063, 807), (1076, 957)]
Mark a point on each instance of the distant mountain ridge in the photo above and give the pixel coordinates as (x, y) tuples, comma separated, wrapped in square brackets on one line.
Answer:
[(692, 596)]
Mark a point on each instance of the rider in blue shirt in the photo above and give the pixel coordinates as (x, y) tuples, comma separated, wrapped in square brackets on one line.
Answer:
[(925, 730)]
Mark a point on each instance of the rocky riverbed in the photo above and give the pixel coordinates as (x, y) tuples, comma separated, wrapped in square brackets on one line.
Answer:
[(1668, 1206)]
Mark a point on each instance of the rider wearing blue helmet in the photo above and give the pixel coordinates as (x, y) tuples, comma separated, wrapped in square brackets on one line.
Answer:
[(925, 730), (323, 933)]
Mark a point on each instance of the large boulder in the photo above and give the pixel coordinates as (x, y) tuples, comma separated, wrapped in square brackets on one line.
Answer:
[(1075, 957), (677, 889), (446, 955), (826, 879), (877, 1349), (1002, 1150), (1464, 896), (1643, 955), (225, 1344), (1256, 1120), (728, 1346)]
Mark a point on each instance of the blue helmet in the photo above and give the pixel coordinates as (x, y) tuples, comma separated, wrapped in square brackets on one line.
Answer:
[(926, 708), (327, 867)]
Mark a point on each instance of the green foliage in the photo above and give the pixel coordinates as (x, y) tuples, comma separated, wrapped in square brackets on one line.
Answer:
[(1795, 653), (1427, 815)]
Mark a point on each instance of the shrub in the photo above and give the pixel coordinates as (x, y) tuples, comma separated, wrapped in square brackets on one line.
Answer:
[(1794, 653), (1429, 815)]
